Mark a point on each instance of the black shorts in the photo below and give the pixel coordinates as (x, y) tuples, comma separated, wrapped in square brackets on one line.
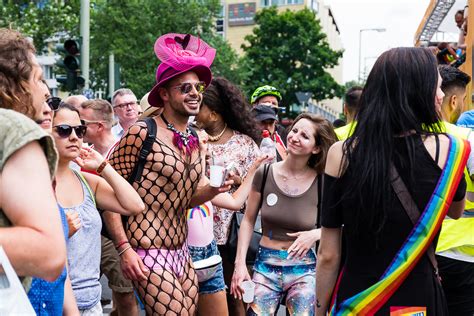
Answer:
[(457, 278)]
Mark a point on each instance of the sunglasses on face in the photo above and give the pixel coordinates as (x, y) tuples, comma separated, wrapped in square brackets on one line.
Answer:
[(65, 130), (187, 87), (54, 103)]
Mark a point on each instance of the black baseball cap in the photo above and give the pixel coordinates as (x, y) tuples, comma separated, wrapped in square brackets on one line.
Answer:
[(264, 112)]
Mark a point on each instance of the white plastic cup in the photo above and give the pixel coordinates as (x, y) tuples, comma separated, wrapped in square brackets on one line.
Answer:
[(249, 291), (216, 176)]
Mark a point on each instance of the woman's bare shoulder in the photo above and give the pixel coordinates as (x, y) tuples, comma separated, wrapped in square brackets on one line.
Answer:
[(334, 159)]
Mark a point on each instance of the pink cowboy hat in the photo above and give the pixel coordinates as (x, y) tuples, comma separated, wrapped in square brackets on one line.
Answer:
[(180, 53)]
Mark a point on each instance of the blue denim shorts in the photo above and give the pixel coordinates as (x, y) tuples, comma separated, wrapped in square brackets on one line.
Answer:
[(216, 283)]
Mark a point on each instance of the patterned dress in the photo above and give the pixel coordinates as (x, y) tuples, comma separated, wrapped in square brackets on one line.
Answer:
[(242, 150)]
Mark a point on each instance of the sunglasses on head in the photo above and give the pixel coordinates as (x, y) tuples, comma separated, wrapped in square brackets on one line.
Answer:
[(187, 87), (65, 130), (54, 103)]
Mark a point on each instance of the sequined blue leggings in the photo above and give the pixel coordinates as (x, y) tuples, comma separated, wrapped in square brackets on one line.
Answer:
[(275, 276)]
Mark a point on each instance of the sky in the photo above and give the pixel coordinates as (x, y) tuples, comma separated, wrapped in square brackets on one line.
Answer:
[(400, 18)]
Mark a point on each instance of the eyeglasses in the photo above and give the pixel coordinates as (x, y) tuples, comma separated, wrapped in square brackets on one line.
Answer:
[(65, 130), (54, 103), (126, 104), (187, 87)]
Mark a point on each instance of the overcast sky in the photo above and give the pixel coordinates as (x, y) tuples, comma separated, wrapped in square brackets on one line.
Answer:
[(400, 18)]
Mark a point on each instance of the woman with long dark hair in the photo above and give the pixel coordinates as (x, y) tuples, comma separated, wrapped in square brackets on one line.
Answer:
[(225, 116), (390, 185)]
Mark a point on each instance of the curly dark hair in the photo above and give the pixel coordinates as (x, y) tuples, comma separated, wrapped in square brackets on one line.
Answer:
[(15, 70), (225, 98)]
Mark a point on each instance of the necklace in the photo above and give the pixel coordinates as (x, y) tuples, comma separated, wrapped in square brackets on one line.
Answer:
[(217, 137), (182, 139), (286, 178)]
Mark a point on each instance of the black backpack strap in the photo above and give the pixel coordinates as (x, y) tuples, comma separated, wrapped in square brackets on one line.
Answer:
[(266, 168), (144, 151), (193, 132)]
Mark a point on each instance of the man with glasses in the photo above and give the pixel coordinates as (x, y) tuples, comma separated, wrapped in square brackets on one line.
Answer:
[(126, 110), (98, 116), (153, 250)]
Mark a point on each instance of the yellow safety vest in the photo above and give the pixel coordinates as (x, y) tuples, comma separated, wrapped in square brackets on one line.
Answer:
[(459, 233), (345, 131)]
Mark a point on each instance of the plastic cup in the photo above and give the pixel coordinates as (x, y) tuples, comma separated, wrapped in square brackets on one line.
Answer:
[(249, 291), (216, 176)]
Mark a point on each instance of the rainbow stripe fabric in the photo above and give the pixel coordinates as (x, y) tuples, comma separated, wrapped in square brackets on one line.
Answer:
[(369, 301), (204, 209)]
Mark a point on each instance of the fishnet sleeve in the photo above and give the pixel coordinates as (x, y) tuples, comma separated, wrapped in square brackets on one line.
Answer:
[(125, 155)]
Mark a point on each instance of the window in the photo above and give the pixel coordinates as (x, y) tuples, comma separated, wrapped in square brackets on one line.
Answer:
[(267, 3)]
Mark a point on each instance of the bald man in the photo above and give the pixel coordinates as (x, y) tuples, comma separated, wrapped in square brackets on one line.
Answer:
[(75, 100)]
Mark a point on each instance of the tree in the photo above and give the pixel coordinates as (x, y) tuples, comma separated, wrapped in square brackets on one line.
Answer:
[(129, 29), (41, 20), (290, 51)]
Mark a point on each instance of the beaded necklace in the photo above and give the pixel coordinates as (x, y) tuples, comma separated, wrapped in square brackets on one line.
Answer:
[(182, 139)]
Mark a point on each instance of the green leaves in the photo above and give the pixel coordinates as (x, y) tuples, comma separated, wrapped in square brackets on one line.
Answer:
[(40, 20), (290, 51)]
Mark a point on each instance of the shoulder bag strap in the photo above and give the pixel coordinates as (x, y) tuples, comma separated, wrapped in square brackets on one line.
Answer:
[(410, 208), (144, 151), (266, 168)]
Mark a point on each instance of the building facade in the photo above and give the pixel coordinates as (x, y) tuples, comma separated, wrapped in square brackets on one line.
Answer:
[(238, 21)]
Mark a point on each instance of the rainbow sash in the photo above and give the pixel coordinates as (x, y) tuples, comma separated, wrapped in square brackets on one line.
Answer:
[(369, 301)]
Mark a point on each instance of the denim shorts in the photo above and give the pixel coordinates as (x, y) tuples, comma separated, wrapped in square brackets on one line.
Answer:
[(216, 283)]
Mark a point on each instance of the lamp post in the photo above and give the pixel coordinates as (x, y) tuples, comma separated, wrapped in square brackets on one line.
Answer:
[(360, 44)]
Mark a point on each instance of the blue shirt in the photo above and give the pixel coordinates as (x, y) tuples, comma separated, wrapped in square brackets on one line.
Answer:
[(47, 298), (83, 251), (466, 119)]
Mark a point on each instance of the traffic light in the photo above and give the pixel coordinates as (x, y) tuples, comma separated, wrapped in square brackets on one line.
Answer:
[(220, 26), (70, 62)]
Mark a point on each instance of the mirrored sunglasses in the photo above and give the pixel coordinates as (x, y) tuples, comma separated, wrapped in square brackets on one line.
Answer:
[(187, 87), (65, 130)]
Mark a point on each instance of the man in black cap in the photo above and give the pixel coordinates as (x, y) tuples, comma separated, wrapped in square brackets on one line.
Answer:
[(267, 117)]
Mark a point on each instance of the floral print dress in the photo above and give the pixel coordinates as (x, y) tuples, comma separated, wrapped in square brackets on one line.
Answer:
[(242, 150)]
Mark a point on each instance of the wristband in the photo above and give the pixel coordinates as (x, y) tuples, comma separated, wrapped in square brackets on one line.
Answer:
[(120, 244), (125, 249), (102, 166)]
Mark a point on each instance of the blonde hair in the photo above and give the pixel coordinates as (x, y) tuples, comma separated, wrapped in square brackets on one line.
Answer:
[(102, 110)]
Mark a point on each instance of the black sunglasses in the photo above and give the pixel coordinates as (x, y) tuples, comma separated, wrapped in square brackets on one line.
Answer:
[(54, 103), (187, 87), (65, 130)]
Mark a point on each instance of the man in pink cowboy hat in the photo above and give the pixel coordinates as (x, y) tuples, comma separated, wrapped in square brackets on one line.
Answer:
[(152, 249)]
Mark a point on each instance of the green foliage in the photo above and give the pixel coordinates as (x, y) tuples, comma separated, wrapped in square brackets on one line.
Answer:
[(129, 30), (289, 50), (40, 20), (352, 83)]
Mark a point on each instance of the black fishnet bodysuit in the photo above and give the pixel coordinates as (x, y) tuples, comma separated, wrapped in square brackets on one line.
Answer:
[(159, 234)]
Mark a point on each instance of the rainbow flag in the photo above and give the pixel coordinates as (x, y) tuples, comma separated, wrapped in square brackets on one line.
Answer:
[(203, 209), (369, 301)]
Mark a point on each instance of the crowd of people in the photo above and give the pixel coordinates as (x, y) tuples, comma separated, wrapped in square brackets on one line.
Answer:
[(128, 189)]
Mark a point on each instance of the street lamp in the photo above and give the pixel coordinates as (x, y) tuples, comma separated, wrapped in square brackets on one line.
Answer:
[(360, 44)]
